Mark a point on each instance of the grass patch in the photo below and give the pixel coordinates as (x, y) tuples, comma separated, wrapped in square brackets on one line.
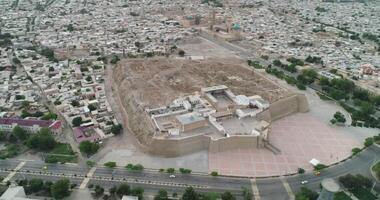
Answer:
[(341, 196), (62, 153), (212, 195), (64, 149), (376, 169), (363, 194), (12, 150), (323, 97)]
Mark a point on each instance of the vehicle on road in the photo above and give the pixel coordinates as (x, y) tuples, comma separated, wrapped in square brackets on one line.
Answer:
[(172, 176), (317, 173), (304, 182)]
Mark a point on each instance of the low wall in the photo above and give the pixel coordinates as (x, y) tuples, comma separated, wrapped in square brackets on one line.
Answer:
[(234, 142), (172, 147)]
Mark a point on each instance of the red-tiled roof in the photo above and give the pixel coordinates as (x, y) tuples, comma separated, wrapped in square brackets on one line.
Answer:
[(31, 122)]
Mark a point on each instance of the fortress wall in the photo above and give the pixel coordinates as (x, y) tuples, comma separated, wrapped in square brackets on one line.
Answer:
[(285, 106), (233, 142), (171, 147)]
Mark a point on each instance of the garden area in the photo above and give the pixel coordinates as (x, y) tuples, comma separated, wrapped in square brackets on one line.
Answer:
[(62, 153), (37, 187), (20, 140), (341, 196), (358, 185), (363, 105), (376, 169)]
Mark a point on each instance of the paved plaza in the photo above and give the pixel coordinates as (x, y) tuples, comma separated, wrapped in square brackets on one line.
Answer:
[(300, 137)]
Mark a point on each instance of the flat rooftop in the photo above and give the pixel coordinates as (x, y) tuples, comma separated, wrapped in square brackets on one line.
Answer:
[(189, 118), (235, 126)]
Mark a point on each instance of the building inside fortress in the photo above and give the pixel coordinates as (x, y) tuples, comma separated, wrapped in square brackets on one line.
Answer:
[(215, 112)]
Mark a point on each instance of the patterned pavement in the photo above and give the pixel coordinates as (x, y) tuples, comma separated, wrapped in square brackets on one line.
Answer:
[(300, 137)]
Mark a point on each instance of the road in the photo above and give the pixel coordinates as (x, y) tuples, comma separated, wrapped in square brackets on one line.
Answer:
[(279, 188)]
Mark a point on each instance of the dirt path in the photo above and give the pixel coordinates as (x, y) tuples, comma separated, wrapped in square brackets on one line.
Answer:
[(125, 140)]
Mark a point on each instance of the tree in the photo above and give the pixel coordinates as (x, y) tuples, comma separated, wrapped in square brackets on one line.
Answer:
[(47, 187), (123, 189), (42, 141), (3, 136), (367, 109), (90, 163), (113, 190), (306, 194), (91, 107), (214, 173), (138, 167), (301, 170), (75, 103), (116, 129), (77, 121), (49, 116), (170, 170), (20, 133), (352, 182), (339, 117), (185, 171), (324, 81), (320, 167), (88, 78), (227, 196), (16, 61), (138, 44), (181, 53), (36, 185), (60, 189), (368, 142), (99, 191), (139, 192), (110, 164), (355, 151), (115, 59), (88, 147), (70, 28), (190, 194), (343, 84), (247, 194), (161, 195)]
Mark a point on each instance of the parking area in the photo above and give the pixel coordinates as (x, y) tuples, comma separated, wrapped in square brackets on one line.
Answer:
[(300, 137)]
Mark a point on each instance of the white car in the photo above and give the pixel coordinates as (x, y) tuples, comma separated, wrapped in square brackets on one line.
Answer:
[(304, 182), (172, 176)]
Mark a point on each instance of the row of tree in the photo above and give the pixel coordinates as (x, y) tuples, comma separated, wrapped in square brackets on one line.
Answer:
[(58, 190)]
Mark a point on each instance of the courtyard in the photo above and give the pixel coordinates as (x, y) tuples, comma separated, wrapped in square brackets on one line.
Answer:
[(300, 137)]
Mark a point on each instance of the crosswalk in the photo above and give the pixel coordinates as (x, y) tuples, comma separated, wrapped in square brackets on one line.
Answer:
[(255, 190), (287, 188), (87, 179), (10, 175)]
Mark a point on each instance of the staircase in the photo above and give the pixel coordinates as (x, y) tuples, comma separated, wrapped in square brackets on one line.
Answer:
[(271, 147)]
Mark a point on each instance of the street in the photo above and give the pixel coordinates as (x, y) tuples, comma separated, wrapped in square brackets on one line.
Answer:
[(152, 180)]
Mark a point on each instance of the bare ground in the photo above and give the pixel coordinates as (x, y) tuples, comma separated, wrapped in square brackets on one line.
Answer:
[(158, 81)]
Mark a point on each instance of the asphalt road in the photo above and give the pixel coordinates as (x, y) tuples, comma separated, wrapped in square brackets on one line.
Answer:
[(151, 181)]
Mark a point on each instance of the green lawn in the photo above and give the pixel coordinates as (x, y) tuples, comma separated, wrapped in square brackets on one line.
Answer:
[(376, 169), (62, 148), (12, 150), (363, 194), (341, 196), (62, 153)]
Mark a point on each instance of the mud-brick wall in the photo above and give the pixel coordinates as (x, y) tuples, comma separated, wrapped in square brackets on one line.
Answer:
[(172, 147), (285, 106), (233, 143)]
